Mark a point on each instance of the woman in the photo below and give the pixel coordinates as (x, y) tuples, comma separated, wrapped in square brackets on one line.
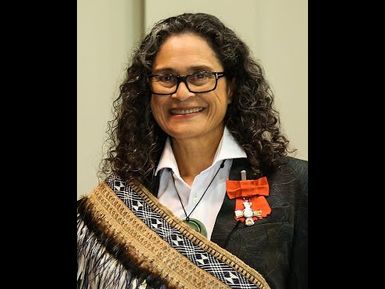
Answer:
[(199, 190)]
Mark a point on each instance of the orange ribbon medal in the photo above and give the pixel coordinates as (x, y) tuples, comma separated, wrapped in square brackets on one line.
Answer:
[(250, 201)]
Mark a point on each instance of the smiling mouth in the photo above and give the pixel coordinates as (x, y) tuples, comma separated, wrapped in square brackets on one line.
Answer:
[(186, 111)]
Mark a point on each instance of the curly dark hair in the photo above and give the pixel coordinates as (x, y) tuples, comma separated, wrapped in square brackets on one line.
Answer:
[(136, 140)]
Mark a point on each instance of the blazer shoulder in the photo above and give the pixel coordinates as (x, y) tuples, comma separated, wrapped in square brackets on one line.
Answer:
[(300, 170), (298, 165), (291, 170)]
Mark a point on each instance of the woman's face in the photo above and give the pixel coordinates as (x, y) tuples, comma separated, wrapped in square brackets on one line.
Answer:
[(185, 114)]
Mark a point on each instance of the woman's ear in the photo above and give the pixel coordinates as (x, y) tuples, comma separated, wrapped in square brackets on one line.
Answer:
[(230, 90)]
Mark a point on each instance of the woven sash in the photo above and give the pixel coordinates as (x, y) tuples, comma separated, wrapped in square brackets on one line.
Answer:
[(160, 244)]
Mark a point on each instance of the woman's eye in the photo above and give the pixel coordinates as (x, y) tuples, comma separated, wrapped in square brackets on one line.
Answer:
[(200, 75), (167, 78)]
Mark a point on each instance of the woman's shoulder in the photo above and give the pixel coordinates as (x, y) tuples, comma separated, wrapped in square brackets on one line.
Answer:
[(84, 198), (299, 166), (291, 170)]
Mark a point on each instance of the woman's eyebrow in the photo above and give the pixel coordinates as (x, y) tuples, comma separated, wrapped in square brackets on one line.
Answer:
[(200, 68), (164, 70), (190, 69)]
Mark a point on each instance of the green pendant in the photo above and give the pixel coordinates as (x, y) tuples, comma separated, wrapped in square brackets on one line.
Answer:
[(196, 226)]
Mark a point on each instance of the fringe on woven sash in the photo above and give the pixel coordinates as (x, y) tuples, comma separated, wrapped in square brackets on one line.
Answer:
[(138, 248), (101, 266)]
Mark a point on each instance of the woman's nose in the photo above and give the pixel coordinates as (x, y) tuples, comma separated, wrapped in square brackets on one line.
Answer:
[(182, 93)]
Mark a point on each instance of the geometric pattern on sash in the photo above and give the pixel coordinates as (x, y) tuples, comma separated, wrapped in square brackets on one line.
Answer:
[(176, 239)]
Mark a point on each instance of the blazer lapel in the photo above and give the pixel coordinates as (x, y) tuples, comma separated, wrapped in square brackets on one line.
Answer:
[(225, 223)]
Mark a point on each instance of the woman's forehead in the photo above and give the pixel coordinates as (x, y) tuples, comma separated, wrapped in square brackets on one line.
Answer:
[(186, 51)]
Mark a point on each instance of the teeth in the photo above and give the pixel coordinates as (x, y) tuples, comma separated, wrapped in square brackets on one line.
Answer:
[(186, 111)]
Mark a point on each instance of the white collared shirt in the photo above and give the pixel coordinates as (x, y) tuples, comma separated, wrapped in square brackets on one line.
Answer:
[(208, 208)]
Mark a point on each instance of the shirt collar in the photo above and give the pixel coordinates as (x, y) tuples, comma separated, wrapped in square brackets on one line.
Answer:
[(228, 148)]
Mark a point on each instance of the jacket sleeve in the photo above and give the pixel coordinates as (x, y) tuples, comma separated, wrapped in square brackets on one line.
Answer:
[(299, 258)]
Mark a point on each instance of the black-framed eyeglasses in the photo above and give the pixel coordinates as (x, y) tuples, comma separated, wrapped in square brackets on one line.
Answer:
[(198, 82)]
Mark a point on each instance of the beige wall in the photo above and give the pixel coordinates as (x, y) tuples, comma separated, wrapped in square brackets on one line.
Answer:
[(276, 32), (106, 33)]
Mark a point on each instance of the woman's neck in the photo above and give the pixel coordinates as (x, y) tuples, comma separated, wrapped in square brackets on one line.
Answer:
[(195, 155)]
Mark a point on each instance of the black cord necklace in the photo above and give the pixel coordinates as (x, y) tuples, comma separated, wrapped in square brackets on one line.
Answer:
[(195, 224)]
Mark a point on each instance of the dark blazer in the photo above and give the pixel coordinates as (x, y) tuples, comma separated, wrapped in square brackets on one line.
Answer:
[(277, 245)]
